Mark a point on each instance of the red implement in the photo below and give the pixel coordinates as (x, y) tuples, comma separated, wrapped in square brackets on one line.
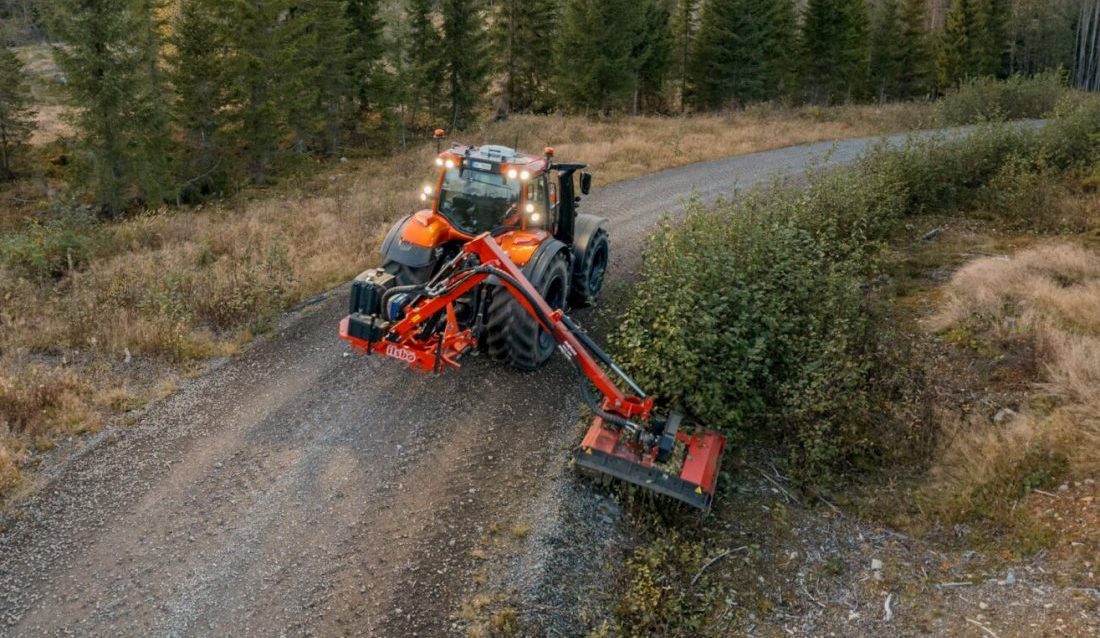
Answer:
[(626, 441)]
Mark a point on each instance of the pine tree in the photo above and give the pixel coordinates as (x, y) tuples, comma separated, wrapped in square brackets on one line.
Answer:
[(201, 99), (684, 27), (110, 57), (742, 52), (16, 116), (465, 63), (423, 59), (365, 46), (836, 49), (594, 65), (523, 36), (653, 51)]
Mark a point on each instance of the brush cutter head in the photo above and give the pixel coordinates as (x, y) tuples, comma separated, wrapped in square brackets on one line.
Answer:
[(610, 450)]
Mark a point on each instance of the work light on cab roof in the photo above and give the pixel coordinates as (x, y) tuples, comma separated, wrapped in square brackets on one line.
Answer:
[(490, 265)]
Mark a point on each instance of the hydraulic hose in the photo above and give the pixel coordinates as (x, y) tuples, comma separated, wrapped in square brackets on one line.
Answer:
[(548, 323)]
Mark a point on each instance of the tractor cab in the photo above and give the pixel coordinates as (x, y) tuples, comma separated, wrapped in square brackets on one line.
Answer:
[(489, 188)]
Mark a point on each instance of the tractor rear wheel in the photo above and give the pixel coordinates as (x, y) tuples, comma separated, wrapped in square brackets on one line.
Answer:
[(406, 275), (513, 334)]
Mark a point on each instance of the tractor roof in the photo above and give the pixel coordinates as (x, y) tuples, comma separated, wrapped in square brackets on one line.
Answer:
[(496, 155)]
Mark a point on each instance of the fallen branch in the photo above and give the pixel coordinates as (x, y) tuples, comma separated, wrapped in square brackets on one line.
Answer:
[(950, 585), (776, 483), (1045, 493), (983, 627), (886, 605), (714, 560)]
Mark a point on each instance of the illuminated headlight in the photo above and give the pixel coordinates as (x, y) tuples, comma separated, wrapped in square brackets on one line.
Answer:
[(439, 161), (423, 197), (450, 163), (535, 218), (530, 208), (512, 174), (525, 176), (427, 190)]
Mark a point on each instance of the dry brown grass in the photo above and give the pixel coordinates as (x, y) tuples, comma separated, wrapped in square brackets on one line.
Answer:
[(172, 287), (1049, 298)]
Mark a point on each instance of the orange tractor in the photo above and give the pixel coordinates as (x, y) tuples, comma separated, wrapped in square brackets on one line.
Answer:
[(492, 264)]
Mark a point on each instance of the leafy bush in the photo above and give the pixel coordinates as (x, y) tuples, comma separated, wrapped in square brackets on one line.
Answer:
[(989, 99), (756, 317), (752, 315)]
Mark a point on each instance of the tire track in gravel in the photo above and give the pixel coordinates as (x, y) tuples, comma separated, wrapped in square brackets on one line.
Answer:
[(294, 490)]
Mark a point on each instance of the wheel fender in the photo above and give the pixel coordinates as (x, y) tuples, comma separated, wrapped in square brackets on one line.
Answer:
[(586, 228), (402, 252), (543, 257)]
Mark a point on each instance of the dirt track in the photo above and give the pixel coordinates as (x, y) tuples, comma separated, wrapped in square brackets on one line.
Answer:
[(295, 490)]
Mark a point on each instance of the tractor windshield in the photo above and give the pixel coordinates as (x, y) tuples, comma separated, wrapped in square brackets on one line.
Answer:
[(476, 202)]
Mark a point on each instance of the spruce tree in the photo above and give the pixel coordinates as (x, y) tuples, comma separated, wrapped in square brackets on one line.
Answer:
[(423, 59), (653, 50), (199, 112), (523, 36), (743, 52), (257, 73), (594, 64), (974, 42), (108, 51), (464, 61), (684, 27), (836, 49), (915, 54), (985, 46), (16, 116), (886, 51), (953, 46), (365, 46), (329, 73), (779, 43)]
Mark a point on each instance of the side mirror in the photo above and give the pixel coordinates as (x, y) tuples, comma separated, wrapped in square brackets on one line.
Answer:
[(586, 183)]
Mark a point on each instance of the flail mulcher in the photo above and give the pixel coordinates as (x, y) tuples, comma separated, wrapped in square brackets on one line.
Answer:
[(493, 265)]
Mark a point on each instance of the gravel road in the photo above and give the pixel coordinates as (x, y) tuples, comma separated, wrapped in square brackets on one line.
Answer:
[(295, 490)]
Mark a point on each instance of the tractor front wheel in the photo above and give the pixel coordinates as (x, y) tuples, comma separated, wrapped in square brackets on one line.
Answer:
[(591, 270), (513, 334)]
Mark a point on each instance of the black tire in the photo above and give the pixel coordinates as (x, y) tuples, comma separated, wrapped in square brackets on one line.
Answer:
[(591, 271), (515, 336), (406, 275)]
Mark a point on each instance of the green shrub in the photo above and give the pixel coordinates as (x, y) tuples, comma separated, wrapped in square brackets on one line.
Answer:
[(990, 99), (753, 317), (758, 317), (52, 248)]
